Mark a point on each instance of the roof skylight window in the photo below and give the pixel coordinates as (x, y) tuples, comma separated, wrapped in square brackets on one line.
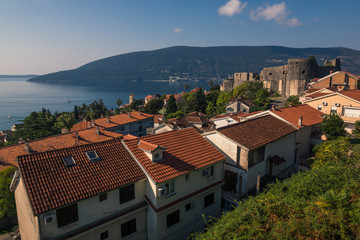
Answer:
[(92, 155), (69, 161)]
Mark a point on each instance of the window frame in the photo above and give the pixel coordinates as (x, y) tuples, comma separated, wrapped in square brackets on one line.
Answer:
[(128, 228), (127, 193), (173, 218), (67, 215), (209, 200), (170, 187)]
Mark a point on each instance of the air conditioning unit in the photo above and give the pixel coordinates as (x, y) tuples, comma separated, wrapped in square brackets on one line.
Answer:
[(337, 104), (49, 219), (161, 191), (325, 103), (205, 172)]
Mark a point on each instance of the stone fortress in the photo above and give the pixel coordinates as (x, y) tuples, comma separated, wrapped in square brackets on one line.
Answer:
[(290, 79)]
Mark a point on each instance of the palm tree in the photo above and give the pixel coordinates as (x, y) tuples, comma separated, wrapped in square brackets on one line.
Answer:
[(67, 121)]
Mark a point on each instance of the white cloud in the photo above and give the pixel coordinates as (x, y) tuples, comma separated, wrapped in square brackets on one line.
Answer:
[(232, 7), (277, 12), (177, 30)]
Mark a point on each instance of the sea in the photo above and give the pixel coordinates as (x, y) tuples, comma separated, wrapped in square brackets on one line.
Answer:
[(18, 98)]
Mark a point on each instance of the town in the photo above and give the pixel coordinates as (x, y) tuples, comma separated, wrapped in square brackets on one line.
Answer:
[(166, 166)]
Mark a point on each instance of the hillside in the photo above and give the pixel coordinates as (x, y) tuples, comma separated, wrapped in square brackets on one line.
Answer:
[(195, 62)]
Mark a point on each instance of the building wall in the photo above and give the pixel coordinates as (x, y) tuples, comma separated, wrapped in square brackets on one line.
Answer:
[(337, 79), (114, 228), (91, 210), (303, 140), (222, 122), (28, 223), (227, 147), (331, 100), (190, 221)]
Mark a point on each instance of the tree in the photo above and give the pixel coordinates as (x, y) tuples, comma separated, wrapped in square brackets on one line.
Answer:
[(356, 131), (210, 83), (333, 126), (7, 201), (200, 101), (119, 102), (177, 114), (240, 90), (221, 102), (154, 105), (76, 113), (66, 121), (186, 86), (215, 87), (171, 105), (293, 100)]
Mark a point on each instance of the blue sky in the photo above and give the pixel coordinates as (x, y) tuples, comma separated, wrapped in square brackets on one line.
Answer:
[(42, 36)]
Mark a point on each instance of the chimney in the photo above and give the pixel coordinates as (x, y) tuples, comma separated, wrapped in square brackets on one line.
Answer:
[(331, 71), (300, 121), (27, 148), (273, 107), (139, 113), (107, 119), (129, 114), (102, 116), (93, 122), (97, 130), (77, 136)]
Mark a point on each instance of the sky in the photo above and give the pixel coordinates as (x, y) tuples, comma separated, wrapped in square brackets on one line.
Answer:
[(43, 36)]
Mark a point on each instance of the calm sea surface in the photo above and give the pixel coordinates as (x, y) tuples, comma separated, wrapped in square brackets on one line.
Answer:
[(19, 98)]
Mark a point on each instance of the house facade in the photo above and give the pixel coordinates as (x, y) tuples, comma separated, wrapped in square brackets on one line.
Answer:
[(340, 80), (255, 152), (240, 104)]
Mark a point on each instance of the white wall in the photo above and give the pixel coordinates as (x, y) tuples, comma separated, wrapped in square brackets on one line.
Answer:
[(91, 210), (222, 122)]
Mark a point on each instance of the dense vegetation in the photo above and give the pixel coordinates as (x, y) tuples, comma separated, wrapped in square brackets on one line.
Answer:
[(322, 203), (195, 62), (7, 202)]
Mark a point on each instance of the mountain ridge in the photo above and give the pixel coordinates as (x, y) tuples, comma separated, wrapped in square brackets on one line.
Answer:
[(195, 62)]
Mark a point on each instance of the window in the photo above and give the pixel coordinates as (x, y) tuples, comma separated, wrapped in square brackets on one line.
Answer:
[(212, 171), (128, 228), (140, 128), (104, 235), (67, 215), (319, 107), (333, 109), (303, 71), (92, 155), (170, 187), (238, 151), (208, 200), (256, 156), (69, 161), (127, 193), (189, 206), (102, 197), (157, 155), (270, 74), (187, 177), (122, 128), (173, 218)]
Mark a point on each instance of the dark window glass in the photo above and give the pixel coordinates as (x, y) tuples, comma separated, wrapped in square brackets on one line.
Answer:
[(208, 200), (140, 128), (69, 161), (67, 215), (128, 228), (127, 193), (102, 197), (104, 235), (173, 218)]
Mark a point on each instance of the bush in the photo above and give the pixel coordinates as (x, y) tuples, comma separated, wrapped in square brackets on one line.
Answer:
[(333, 126)]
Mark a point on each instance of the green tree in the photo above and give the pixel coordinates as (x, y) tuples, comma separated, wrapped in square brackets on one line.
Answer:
[(171, 106), (186, 86), (333, 126), (215, 88), (119, 102), (154, 105), (210, 83), (200, 101), (293, 100), (356, 131), (76, 113), (211, 109), (7, 201), (221, 101), (175, 115), (240, 90), (66, 121)]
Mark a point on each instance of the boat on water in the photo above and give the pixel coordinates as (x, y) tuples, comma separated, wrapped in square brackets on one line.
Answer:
[(9, 116)]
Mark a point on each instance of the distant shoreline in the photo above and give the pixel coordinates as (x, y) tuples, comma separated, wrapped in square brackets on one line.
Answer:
[(18, 76)]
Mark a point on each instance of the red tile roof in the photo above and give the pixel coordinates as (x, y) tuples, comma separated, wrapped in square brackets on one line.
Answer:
[(186, 150), (237, 116), (310, 115), (147, 146), (255, 133), (113, 121), (9, 154), (311, 90), (51, 185), (354, 94), (317, 94)]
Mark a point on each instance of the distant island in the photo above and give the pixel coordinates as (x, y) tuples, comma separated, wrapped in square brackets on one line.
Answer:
[(18, 76), (194, 63)]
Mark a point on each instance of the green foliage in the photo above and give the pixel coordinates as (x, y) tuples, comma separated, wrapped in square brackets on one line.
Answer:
[(76, 112), (356, 131), (215, 88), (7, 201), (221, 102), (293, 100), (333, 126), (200, 101), (210, 83), (175, 115), (322, 203), (119, 102), (186, 86), (66, 121), (171, 105), (240, 90), (153, 106), (188, 104)]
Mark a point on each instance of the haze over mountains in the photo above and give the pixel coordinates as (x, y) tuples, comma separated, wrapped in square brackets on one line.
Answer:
[(195, 62)]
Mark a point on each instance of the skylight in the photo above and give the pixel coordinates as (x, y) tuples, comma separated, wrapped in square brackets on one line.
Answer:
[(69, 161), (92, 155)]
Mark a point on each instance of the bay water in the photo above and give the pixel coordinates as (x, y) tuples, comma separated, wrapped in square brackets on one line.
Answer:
[(18, 98)]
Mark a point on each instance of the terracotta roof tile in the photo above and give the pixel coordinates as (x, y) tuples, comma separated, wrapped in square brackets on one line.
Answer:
[(147, 146), (354, 94), (9, 154), (237, 116), (257, 132), (310, 115), (316, 95), (50, 184), (186, 150)]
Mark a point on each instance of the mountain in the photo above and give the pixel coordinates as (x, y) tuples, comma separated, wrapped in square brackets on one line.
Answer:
[(18, 76), (195, 62)]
